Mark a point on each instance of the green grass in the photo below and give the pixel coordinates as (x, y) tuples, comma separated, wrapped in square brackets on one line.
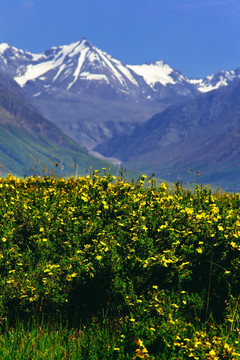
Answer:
[(93, 341)]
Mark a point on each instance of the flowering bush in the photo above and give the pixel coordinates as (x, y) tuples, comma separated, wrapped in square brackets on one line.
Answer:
[(161, 262)]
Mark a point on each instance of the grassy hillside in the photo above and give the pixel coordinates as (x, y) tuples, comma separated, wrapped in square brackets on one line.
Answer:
[(17, 146)]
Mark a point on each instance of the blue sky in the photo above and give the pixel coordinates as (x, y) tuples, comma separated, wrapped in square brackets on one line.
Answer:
[(198, 37)]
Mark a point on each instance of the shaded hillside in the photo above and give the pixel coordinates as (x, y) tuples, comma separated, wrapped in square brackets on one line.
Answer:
[(14, 113), (10, 84), (203, 133), (24, 131)]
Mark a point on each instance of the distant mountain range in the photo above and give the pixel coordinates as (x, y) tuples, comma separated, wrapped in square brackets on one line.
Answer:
[(91, 96), (79, 67), (104, 106)]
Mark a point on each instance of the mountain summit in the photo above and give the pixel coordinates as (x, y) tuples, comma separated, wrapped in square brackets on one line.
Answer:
[(72, 67)]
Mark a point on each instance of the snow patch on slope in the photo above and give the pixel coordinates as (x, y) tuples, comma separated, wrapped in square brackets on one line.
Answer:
[(124, 70), (99, 77), (61, 68), (154, 73), (3, 47), (110, 65), (79, 66), (34, 71)]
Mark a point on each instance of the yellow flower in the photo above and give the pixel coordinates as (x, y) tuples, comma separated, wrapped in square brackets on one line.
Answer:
[(10, 281), (189, 211), (213, 354), (226, 346)]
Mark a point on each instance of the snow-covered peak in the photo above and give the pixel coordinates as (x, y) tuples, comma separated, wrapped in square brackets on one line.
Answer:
[(215, 81), (76, 46), (3, 47), (52, 59), (154, 73), (75, 62)]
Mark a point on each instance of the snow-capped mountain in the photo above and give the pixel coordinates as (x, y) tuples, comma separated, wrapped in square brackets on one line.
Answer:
[(73, 68), (92, 96), (81, 67), (69, 67)]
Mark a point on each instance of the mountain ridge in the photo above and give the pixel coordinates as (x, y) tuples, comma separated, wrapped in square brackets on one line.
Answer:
[(81, 61)]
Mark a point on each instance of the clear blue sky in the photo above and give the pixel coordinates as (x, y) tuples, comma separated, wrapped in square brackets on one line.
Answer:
[(198, 37)]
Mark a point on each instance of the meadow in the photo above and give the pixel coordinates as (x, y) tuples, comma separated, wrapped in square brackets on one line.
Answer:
[(98, 267)]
